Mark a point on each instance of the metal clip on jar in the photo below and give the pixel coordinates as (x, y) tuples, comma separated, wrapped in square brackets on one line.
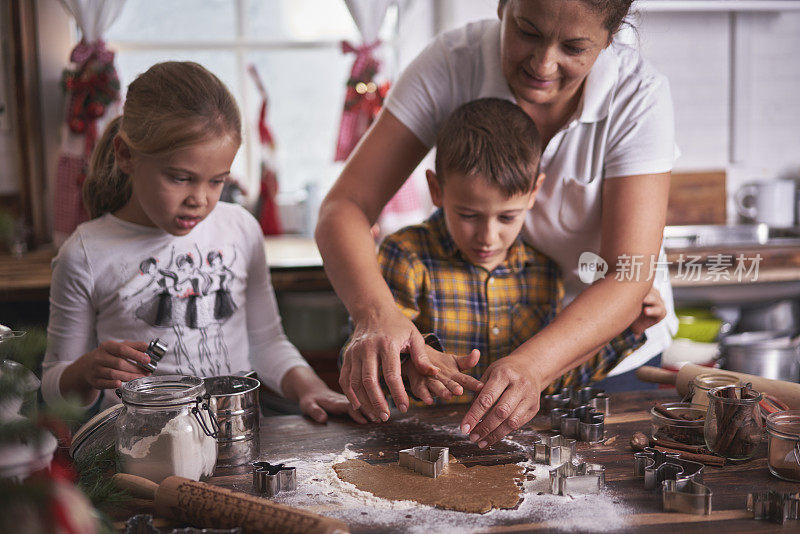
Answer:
[(733, 426), (163, 430), (783, 457)]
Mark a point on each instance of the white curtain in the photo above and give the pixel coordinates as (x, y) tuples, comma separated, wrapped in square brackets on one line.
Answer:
[(368, 16), (94, 17)]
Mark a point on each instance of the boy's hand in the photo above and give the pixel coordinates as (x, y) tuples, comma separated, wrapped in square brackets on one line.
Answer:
[(318, 403), (449, 381), (653, 311)]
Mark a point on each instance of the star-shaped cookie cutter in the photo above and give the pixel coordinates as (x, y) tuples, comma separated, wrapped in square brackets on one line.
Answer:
[(584, 423), (774, 506), (554, 450), (570, 478), (680, 480), (425, 460), (271, 479), (569, 398)]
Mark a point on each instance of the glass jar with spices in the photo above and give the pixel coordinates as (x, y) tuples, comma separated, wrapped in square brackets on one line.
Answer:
[(733, 426), (783, 455), (701, 384), (166, 428)]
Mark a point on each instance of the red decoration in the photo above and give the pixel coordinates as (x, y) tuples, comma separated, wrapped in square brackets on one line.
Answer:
[(363, 99), (91, 86), (267, 209)]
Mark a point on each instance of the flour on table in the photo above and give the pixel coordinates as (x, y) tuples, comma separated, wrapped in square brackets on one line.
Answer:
[(320, 490)]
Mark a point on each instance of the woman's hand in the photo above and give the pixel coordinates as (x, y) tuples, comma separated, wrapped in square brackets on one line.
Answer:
[(653, 311), (449, 381), (508, 400), (376, 345), (106, 367)]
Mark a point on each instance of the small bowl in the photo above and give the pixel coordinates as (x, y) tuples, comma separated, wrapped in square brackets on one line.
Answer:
[(678, 429)]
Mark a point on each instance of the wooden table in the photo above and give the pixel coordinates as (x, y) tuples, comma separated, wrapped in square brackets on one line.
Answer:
[(294, 436)]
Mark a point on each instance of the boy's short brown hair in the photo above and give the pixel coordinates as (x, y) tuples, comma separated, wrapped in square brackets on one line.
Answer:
[(493, 138)]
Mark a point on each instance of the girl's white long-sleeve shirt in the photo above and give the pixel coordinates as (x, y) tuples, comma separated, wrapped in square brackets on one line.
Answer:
[(207, 295)]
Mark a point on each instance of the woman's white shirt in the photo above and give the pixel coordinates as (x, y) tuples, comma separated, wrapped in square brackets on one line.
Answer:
[(624, 126)]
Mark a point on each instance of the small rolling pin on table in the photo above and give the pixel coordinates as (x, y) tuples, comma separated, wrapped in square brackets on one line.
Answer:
[(788, 392)]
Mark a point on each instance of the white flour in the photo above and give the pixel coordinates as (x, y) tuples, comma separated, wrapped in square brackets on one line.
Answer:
[(180, 449), (320, 490)]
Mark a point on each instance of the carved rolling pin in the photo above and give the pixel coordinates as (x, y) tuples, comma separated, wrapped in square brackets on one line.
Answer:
[(208, 506), (788, 392)]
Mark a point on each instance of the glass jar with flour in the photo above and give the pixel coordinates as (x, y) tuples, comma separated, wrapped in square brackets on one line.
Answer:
[(166, 428)]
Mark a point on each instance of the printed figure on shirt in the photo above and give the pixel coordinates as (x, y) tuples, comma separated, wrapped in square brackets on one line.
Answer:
[(464, 276), (223, 303)]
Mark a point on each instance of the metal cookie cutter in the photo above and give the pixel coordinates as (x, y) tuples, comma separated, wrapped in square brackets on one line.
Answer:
[(156, 350), (572, 478), (554, 450), (680, 480), (583, 423), (774, 506), (271, 479), (656, 466), (687, 496), (428, 461), (573, 398)]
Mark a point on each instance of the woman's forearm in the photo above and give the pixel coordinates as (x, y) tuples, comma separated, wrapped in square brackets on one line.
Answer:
[(598, 314), (348, 253)]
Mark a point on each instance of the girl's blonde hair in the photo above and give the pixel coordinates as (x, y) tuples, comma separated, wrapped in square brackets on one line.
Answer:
[(172, 105)]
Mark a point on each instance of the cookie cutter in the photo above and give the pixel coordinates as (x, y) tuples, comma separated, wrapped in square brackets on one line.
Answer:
[(271, 479), (568, 398), (774, 506), (156, 350), (584, 423), (570, 478), (425, 460), (656, 466), (680, 480), (687, 496), (554, 450)]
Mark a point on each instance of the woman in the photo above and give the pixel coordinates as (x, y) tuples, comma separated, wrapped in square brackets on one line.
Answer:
[(606, 122)]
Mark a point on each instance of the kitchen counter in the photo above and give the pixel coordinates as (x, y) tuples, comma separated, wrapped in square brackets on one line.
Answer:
[(294, 438)]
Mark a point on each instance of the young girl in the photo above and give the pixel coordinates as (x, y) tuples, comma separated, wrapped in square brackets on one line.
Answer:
[(143, 267)]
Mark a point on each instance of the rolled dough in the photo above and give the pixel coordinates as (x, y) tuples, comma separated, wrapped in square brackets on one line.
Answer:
[(475, 489)]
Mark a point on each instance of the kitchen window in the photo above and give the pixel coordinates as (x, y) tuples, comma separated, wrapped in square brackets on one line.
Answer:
[(294, 44)]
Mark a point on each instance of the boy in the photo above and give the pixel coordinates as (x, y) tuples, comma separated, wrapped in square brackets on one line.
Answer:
[(464, 275)]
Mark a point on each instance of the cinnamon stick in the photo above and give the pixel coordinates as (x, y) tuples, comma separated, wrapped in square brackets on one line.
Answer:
[(663, 411), (671, 444), (706, 459)]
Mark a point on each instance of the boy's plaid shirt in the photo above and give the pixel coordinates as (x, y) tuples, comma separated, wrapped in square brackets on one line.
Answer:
[(467, 307)]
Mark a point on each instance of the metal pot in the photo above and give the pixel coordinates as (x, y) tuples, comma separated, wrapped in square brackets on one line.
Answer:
[(767, 354), (781, 316)]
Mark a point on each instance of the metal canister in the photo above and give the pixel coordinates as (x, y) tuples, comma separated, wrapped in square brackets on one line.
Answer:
[(235, 404)]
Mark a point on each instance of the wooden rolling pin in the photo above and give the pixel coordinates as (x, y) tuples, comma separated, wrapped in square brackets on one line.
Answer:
[(208, 506), (788, 392)]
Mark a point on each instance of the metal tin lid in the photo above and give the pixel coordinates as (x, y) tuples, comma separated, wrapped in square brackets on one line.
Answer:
[(97, 432)]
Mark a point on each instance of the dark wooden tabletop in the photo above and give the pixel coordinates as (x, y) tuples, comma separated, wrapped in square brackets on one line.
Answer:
[(290, 436)]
